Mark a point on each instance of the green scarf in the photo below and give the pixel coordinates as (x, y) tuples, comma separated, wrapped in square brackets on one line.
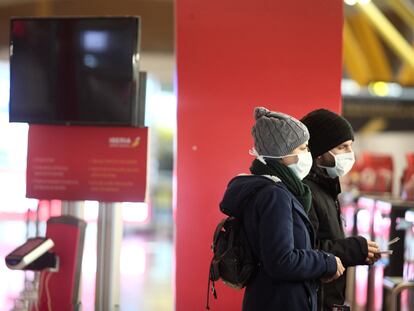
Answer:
[(300, 190)]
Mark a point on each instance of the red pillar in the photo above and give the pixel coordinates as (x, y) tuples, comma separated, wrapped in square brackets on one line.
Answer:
[(234, 55)]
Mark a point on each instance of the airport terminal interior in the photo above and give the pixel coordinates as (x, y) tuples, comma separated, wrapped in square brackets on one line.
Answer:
[(378, 195)]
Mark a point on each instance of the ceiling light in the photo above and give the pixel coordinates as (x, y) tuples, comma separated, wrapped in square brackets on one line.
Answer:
[(350, 2)]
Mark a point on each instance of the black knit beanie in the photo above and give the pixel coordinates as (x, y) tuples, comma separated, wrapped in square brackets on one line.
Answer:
[(327, 130)]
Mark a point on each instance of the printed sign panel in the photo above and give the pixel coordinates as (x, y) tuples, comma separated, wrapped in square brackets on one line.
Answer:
[(106, 164)]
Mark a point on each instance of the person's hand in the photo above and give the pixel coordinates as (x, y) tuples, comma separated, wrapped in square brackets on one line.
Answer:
[(339, 271), (339, 268), (377, 256), (373, 252)]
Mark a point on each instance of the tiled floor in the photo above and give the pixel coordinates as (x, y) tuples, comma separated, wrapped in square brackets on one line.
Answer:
[(146, 269)]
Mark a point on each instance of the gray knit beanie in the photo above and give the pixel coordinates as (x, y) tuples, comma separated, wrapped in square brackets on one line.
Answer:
[(277, 134)]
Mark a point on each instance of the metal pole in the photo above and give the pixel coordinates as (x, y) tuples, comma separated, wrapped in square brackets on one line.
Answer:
[(107, 292), (73, 208)]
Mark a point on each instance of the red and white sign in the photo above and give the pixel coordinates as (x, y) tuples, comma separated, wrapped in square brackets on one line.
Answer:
[(106, 164)]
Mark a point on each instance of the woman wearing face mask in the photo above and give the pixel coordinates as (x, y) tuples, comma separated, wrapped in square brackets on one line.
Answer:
[(331, 138), (273, 203)]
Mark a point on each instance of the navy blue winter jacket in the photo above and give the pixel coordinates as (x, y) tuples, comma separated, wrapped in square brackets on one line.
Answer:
[(282, 239)]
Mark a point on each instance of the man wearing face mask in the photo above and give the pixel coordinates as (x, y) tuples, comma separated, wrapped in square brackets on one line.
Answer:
[(331, 138)]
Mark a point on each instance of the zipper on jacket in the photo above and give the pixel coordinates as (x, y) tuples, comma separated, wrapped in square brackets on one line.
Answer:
[(341, 219)]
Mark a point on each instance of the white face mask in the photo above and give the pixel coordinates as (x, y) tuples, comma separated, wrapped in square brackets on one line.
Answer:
[(343, 164), (300, 168), (303, 166)]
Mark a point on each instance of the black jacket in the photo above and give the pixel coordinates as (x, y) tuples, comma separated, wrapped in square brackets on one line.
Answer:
[(325, 215), (282, 237)]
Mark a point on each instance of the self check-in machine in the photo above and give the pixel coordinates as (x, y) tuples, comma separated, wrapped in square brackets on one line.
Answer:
[(33, 255), (58, 257)]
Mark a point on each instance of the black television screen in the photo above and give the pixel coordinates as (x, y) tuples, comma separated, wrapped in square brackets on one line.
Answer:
[(74, 70)]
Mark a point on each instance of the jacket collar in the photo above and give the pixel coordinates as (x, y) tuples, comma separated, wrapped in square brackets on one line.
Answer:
[(320, 177)]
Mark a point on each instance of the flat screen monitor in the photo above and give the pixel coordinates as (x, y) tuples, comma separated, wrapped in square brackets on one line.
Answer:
[(75, 70)]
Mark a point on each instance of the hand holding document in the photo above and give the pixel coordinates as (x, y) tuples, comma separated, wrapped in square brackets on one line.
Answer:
[(389, 252), (394, 240)]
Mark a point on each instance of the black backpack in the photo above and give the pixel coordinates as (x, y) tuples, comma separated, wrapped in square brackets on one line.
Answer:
[(233, 260)]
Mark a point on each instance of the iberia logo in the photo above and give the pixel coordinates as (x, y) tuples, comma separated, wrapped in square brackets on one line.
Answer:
[(124, 142)]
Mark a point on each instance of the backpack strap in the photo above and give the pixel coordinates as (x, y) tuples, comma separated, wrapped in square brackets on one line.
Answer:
[(213, 265), (213, 287), (217, 232), (248, 201)]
